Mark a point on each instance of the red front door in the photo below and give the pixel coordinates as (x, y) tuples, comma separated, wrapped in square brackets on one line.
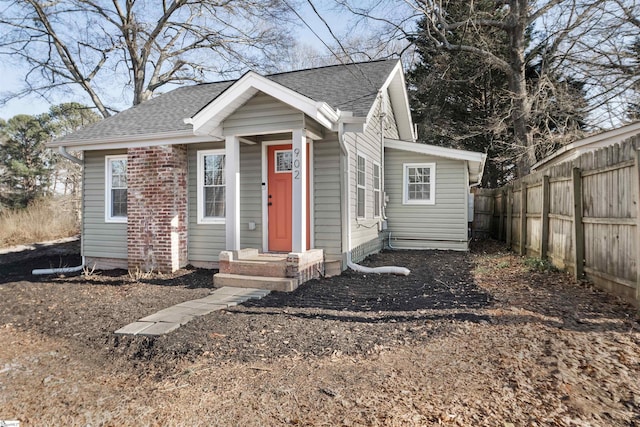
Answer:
[(279, 163)]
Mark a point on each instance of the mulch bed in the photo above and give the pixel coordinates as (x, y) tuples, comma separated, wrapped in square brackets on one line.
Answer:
[(352, 313), (474, 338)]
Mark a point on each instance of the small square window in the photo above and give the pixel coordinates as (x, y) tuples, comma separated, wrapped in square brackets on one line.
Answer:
[(284, 161), (419, 183)]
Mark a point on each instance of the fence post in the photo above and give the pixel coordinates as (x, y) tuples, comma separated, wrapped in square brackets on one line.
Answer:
[(509, 215), (578, 229), (492, 219), (546, 206), (501, 235), (523, 219), (637, 180)]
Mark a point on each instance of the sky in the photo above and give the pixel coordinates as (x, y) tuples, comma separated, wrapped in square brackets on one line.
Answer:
[(11, 76)]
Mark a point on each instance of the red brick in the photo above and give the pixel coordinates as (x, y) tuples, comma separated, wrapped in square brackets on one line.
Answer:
[(157, 192)]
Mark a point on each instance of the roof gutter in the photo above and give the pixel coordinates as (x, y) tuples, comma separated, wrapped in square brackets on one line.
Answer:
[(328, 112), (174, 137)]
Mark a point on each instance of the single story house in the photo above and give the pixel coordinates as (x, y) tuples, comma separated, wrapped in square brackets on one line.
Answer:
[(277, 175)]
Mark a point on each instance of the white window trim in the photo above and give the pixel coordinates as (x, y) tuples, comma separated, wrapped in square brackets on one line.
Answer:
[(107, 189), (405, 183), (201, 219), (364, 187), (377, 190)]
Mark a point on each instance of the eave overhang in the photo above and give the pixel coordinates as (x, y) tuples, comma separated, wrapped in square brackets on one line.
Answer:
[(208, 121), (475, 161)]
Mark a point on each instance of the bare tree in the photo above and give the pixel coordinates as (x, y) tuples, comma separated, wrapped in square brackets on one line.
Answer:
[(577, 38), (103, 46), (607, 59)]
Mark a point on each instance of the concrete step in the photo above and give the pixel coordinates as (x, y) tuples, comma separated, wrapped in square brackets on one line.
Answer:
[(282, 284), (262, 267)]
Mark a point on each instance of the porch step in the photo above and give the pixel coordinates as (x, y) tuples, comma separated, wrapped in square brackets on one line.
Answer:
[(276, 267), (259, 282)]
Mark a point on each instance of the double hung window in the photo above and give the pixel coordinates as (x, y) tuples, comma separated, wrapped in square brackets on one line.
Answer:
[(419, 183), (211, 186), (361, 187), (116, 189)]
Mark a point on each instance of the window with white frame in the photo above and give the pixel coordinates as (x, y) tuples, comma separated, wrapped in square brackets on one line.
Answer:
[(116, 188), (376, 190), (419, 183), (361, 187), (211, 186)]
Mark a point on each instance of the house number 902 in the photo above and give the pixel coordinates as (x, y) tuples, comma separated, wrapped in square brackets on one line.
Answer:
[(296, 163)]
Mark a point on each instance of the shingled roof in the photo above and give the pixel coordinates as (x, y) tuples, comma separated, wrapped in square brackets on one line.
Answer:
[(351, 87)]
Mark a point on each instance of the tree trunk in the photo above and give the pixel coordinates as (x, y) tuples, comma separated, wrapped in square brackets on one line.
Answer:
[(521, 106)]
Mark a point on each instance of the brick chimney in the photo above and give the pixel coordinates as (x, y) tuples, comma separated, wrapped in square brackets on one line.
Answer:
[(157, 208)]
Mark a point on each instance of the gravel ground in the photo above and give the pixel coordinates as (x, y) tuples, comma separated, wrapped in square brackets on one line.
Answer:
[(466, 339)]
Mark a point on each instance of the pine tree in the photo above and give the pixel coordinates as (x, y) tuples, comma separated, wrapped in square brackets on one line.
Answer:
[(25, 162), (67, 118)]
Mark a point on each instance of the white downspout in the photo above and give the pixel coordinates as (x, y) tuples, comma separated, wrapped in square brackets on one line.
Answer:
[(383, 115), (64, 153), (62, 270), (346, 219), (357, 267)]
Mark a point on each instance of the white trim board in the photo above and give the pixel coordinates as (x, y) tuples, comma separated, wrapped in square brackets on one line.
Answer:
[(213, 114), (475, 161), (129, 141)]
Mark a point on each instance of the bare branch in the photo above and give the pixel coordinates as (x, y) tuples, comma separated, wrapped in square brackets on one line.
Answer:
[(101, 45)]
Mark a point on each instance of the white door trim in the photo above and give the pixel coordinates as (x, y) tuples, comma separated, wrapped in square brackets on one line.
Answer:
[(265, 191)]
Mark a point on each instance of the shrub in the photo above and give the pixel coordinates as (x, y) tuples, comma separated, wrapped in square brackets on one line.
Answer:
[(44, 219), (541, 265)]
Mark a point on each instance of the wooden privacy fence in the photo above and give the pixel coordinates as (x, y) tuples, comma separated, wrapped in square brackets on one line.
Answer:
[(581, 215)]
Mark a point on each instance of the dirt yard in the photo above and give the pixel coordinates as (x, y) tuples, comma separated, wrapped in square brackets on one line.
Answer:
[(485, 338)]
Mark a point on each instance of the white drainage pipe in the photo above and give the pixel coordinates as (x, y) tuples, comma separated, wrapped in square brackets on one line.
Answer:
[(400, 271), (61, 270)]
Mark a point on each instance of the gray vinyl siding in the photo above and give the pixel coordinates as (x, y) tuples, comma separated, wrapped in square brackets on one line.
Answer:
[(313, 126), (100, 239), (326, 198), (250, 195), (390, 125), (263, 114), (204, 241), (445, 222), (368, 144)]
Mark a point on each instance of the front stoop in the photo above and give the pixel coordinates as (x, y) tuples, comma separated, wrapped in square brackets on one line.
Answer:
[(275, 272)]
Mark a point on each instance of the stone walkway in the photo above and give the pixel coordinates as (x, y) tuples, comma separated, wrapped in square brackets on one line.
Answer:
[(170, 319)]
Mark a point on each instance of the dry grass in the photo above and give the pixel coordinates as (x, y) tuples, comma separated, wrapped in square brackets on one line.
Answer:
[(45, 219)]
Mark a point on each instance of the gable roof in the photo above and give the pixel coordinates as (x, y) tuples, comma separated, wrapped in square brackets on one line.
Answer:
[(352, 87), (575, 149), (475, 161)]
